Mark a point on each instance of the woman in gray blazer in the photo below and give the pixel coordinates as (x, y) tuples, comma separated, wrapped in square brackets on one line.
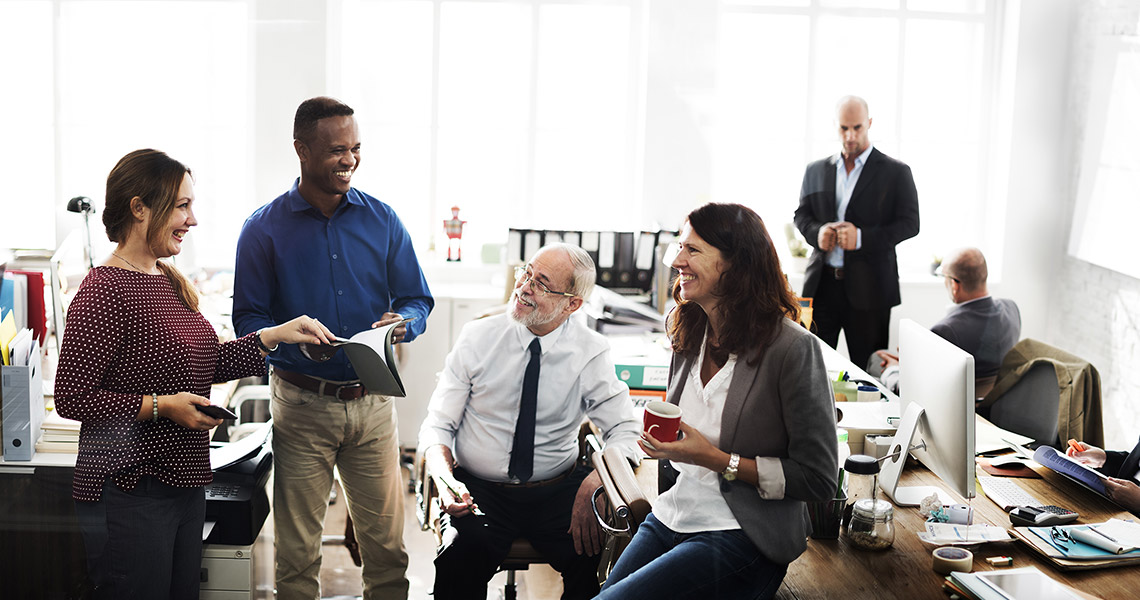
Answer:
[(758, 424)]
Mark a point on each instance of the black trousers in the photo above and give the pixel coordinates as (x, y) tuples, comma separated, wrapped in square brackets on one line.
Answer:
[(866, 330), (474, 546), (145, 543)]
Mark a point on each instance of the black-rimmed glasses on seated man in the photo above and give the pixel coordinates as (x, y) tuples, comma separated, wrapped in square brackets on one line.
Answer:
[(524, 276)]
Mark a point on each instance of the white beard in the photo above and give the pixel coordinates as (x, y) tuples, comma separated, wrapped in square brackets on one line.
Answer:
[(536, 317)]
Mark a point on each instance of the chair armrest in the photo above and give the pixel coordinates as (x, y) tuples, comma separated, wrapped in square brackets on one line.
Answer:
[(621, 473), (616, 506)]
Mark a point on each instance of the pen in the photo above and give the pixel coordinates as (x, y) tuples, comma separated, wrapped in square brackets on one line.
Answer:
[(1078, 446), (458, 496), (1103, 534)]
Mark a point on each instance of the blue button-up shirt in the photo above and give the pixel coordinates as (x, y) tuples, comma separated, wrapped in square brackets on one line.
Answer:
[(346, 271), (844, 186)]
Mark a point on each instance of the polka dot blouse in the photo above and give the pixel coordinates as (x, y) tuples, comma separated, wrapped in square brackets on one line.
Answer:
[(127, 336)]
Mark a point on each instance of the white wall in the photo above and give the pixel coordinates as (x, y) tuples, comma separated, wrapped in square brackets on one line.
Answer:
[(1094, 312)]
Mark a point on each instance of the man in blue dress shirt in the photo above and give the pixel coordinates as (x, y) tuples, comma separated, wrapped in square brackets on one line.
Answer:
[(329, 251)]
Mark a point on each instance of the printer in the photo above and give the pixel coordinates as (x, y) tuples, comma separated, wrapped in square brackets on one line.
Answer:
[(236, 501)]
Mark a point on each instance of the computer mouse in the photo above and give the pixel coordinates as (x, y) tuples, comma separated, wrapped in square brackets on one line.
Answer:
[(1008, 462)]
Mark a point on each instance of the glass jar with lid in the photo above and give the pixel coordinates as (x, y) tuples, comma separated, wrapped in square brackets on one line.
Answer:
[(862, 479), (872, 525)]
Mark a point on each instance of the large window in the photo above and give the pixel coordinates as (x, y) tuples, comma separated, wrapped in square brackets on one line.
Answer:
[(27, 156), (126, 75), (520, 112), (924, 68), (559, 114)]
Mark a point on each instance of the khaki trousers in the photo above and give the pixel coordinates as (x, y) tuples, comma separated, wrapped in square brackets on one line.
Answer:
[(311, 435)]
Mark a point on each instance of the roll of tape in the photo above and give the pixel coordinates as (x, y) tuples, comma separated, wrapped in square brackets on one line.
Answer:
[(951, 558)]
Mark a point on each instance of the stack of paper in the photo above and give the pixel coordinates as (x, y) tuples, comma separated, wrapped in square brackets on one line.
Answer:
[(60, 435), (947, 534)]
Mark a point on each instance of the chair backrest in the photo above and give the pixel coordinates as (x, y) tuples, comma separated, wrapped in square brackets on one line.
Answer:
[(1030, 407)]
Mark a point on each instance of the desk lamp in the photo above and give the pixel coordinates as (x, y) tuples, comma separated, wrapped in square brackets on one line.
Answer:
[(82, 205)]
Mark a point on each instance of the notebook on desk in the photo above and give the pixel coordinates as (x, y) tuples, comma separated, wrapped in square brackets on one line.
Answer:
[(1074, 558)]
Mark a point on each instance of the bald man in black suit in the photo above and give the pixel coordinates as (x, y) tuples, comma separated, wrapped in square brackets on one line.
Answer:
[(854, 208)]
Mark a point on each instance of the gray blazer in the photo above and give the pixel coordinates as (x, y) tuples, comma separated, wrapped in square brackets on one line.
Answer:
[(781, 407), (986, 328)]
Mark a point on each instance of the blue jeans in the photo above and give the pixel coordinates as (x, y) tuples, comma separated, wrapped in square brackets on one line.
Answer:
[(661, 563)]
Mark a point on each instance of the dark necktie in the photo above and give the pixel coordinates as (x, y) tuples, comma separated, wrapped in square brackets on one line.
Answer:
[(522, 453)]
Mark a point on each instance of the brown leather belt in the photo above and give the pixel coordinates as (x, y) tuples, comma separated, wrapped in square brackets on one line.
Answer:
[(341, 391), (836, 272)]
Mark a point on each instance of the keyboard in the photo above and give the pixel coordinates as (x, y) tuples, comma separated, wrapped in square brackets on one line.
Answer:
[(1005, 492)]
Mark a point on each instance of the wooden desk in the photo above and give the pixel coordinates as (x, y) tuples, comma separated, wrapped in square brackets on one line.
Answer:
[(835, 569)]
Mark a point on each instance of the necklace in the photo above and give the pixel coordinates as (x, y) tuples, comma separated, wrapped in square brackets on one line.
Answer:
[(129, 263)]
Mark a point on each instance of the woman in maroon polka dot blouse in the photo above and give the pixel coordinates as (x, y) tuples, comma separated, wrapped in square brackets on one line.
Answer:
[(136, 360)]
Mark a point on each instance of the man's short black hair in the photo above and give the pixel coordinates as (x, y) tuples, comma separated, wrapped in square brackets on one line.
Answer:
[(313, 110)]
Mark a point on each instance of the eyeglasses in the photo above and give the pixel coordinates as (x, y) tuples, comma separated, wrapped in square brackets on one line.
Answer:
[(524, 276), (1060, 536)]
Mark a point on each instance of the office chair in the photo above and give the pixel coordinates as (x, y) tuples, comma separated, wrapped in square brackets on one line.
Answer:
[(624, 509), (1048, 394), (1030, 406), (522, 554)]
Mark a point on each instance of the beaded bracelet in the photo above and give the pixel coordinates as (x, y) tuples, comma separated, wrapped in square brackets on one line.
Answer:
[(154, 405)]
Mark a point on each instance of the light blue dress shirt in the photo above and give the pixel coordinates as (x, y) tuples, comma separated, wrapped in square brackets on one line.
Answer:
[(844, 186)]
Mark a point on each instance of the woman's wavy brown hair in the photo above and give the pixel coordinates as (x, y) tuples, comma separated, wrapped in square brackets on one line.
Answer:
[(753, 292), (155, 179)]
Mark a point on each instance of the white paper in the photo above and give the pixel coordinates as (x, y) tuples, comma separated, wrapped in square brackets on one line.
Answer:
[(955, 534), (370, 352), (1092, 538), (1125, 532)]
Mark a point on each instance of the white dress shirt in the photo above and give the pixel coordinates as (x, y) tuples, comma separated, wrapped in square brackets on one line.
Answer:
[(475, 406), (844, 186), (695, 502)]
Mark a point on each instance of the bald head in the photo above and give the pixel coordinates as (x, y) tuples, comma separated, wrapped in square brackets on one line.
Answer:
[(967, 267), (853, 119)]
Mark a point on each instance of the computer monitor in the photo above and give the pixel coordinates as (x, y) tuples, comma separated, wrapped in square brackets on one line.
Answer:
[(936, 390)]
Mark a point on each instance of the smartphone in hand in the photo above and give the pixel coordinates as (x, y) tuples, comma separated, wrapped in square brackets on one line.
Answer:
[(218, 412)]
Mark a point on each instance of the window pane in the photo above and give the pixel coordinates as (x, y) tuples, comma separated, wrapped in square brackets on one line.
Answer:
[(758, 148), (942, 118), (773, 3), (948, 6), (170, 76), (859, 3), (484, 114), (868, 68), (386, 66), (30, 200), (582, 140)]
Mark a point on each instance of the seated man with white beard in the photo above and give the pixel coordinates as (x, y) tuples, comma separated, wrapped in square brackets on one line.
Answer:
[(501, 435)]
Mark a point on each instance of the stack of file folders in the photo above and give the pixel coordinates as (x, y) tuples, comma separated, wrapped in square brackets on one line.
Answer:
[(1114, 543)]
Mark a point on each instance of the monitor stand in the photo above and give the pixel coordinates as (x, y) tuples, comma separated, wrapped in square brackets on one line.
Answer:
[(896, 458)]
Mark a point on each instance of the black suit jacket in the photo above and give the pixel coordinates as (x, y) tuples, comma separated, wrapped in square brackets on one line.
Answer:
[(1122, 465), (884, 206)]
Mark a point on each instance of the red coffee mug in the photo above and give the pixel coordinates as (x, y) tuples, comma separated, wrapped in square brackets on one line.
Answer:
[(662, 420)]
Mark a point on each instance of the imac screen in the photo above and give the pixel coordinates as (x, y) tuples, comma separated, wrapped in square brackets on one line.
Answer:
[(936, 390)]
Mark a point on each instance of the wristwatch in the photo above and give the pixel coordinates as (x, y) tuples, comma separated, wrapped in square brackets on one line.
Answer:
[(729, 472)]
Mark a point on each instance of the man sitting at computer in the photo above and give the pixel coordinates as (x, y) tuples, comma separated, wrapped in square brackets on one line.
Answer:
[(980, 324), (1122, 468)]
